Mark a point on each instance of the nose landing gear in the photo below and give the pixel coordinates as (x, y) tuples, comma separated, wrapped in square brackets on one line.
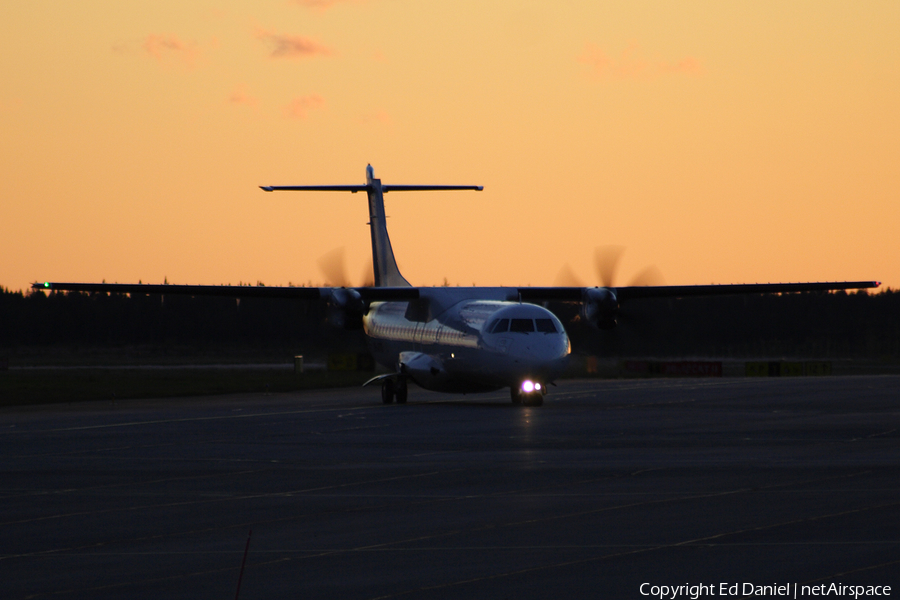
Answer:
[(530, 393)]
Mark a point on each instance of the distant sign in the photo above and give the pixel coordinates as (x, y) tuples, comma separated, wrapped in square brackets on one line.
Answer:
[(818, 368), (777, 368), (692, 368), (682, 368), (351, 362), (341, 362)]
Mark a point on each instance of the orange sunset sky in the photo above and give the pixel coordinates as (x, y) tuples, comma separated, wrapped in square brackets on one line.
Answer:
[(723, 142)]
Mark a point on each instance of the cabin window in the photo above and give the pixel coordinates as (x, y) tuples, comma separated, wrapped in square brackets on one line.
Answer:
[(501, 327), (522, 326), (545, 325)]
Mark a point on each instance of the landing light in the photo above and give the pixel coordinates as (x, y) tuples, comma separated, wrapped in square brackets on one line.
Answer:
[(529, 386)]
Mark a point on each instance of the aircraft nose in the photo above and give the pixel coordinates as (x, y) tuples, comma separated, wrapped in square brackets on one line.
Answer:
[(539, 349)]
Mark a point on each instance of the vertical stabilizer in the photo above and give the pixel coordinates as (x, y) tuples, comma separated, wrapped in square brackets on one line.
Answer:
[(387, 274)]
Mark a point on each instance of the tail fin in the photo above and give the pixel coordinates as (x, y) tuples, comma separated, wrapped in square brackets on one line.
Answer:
[(386, 272)]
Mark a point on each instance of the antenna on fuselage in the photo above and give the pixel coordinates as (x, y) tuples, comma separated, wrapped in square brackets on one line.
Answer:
[(385, 266)]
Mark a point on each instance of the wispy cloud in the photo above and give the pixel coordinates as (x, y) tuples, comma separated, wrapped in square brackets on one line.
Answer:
[(292, 46), (164, 47), (299, 107), (324, 4), (631, 64), (379, 116), (240, 96)]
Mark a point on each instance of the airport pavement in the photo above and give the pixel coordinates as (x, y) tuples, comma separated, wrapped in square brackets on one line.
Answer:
[(610, 485)]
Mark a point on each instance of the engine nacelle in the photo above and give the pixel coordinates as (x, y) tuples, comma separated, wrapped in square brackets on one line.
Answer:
[(600, 307), (346, 308)]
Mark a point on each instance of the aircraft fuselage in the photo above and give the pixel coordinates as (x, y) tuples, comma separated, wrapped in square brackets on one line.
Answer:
[(449, 341)]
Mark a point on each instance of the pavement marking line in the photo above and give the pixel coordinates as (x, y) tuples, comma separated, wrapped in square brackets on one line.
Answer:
[(696, 541), (507, 548), (191, 419), (405, 500), (109, 486), (430, 500), (851, 572), (232, 498), (129, 583), (315, 553), (384, 546)]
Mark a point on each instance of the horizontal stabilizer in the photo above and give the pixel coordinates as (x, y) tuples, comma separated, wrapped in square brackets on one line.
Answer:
[(426, 188), (314, 188), (366, 188), (386, 271)]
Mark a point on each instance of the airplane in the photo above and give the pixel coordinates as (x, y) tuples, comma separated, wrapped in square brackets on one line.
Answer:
[(455, 339)]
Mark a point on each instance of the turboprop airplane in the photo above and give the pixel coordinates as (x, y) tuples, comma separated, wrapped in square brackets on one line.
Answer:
[(454, 339)]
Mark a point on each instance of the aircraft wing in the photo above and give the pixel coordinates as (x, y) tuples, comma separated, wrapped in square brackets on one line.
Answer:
[(386, 294), (371, 294), (660, 291), (576, 294)]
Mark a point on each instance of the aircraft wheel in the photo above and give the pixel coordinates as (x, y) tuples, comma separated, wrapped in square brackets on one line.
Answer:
[(514, 395), (402, 390), (534, 400), (387, 391)]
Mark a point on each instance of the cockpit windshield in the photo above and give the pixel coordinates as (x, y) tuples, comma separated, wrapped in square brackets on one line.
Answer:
[(545, 325), (500, 326), (521, 325)]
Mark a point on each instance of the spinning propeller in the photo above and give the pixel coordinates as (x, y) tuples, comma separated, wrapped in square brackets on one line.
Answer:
[(606, 264), (599, 305), (345, 306), (334, 267)]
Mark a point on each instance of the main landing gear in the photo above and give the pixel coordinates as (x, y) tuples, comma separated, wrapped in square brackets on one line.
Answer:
[(391, 390)]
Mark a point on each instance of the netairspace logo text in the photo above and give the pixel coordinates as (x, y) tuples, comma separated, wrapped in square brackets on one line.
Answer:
[(787, 590)]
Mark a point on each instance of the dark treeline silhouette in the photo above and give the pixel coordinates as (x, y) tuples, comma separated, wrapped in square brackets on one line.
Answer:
[(821, 325), (813, 324), (107, 320)]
